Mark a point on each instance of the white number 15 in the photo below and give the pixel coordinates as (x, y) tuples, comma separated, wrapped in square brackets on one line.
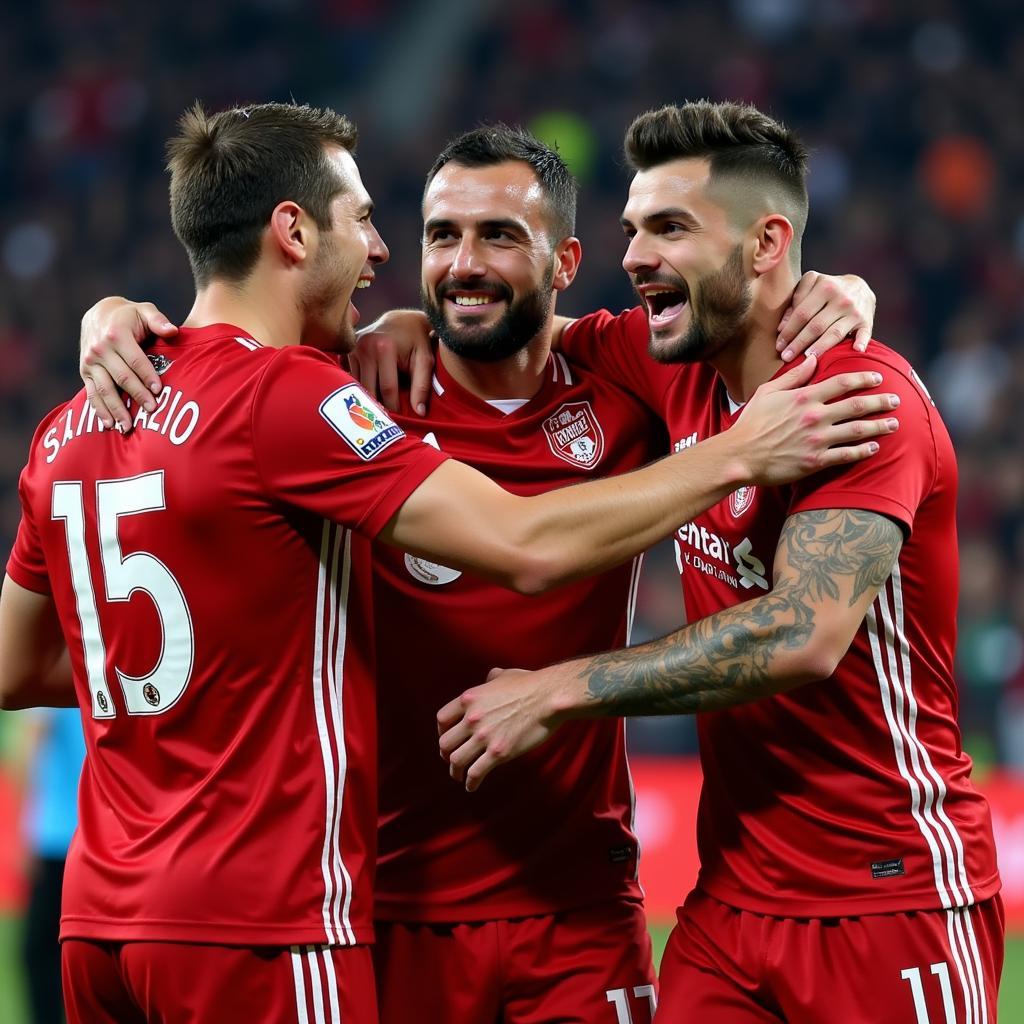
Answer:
[(123, 575)]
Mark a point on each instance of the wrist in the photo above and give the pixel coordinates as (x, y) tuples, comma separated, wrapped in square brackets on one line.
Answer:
[(566, 697), (734, 465)]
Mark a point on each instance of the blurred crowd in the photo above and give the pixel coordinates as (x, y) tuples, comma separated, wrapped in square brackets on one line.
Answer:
[(914, 110)]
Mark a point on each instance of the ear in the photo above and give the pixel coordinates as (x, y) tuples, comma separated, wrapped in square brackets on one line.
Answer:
[(568, 254), (773, 236), (290, 231)]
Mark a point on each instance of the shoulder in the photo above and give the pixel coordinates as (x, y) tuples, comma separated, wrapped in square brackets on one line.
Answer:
[(630, 323), (897, 373)]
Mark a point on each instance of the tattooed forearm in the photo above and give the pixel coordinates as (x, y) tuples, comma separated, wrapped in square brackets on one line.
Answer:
[(745, 652)]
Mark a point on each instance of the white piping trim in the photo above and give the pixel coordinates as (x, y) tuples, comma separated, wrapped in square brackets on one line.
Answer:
[(300, 986), (566, 372)]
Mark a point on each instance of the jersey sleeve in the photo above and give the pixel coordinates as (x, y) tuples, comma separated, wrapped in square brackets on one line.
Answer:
[(897, 478), (26, 564), (615, 347), (322, 444)]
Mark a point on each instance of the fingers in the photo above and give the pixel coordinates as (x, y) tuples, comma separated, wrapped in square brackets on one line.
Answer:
[(823, 331), (860, 407), (847, 454), (840, 384), (105, 398), (451, 713), (155, 321), (387, 375), (861, 339), (861, 430), (795, 377), (421, 373)]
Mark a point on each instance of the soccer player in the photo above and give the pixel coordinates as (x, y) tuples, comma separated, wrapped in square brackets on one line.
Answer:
[(848, 870), (211, 576), (524, 906)]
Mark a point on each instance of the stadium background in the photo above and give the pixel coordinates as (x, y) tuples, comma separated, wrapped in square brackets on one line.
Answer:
[(915, 112)]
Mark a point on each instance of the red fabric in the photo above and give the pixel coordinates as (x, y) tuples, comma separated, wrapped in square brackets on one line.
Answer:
[(570, 967), (240, 807), (179, 983), (729, 966), (553, 829), (850, 795)]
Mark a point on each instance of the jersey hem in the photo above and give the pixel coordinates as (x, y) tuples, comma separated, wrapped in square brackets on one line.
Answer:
[(206, 933), (865, 500), (897, 903), (400, 912)]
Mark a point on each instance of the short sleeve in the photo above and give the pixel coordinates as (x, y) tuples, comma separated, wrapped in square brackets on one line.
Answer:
[(615, 348), (322, 444), (27, 563), (901, 474)]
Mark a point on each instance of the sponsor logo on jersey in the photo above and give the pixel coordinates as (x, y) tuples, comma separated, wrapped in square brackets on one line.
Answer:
[(160, 363), (685, 442), (364, 426), (740, 500), (574, 435), (431, 573), (707, 552)]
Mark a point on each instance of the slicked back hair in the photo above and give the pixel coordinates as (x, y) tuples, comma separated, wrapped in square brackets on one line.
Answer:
[(229, 171), (739, 142), (492, 144)]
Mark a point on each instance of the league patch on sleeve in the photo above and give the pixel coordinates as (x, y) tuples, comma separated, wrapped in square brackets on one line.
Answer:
[(365, 427)]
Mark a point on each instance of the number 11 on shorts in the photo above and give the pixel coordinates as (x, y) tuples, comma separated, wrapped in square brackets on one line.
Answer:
[(941, 971), (620, 998)]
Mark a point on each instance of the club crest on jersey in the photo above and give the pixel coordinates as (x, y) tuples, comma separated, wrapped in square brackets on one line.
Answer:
[(740, 500), (160, 363), (362, 424), (574, 435)]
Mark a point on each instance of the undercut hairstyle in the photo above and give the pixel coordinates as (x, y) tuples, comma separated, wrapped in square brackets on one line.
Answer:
[(493, 144), (746, 150), (229, 171)]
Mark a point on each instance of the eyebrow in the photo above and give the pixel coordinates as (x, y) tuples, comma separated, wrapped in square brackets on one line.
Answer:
[(668, 213), (505, 223)]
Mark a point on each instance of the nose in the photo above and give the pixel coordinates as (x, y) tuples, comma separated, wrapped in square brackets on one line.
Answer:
[(639, 255), (466, 262), (377, 251)]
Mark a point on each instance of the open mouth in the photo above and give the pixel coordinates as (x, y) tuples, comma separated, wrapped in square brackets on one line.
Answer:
[(361, 284), (664, 304)]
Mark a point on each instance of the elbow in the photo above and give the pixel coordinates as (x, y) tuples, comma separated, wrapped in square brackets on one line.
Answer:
[(536, 572), (818, 659)]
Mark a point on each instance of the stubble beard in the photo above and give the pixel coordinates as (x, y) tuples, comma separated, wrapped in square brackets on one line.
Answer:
[(521, 322), (719, 305)]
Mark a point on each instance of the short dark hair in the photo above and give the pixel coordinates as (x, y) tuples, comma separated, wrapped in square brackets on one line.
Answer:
[(491, 144), (737, 139), (230, 169)]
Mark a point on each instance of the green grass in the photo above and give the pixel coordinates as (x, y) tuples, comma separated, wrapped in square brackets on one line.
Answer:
[(12, 1004)]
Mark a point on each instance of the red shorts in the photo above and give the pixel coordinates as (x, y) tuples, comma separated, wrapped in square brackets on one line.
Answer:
[(179, 983), (589, 966), (729, 966)]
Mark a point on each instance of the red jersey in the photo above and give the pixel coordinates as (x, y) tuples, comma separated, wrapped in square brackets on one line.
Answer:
[(850, 795), (211, 573), (553, 830)]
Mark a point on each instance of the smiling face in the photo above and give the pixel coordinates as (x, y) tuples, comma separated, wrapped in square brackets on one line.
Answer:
[(345, 257), (685, 259), (488, 259)]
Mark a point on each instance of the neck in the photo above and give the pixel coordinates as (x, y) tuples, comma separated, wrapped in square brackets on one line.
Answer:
[(519, 376), (745, 364), (246, 305)]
